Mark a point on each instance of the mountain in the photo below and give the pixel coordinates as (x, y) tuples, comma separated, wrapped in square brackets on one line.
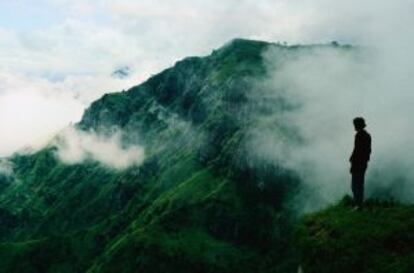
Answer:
[(121, 72), (198, 202)]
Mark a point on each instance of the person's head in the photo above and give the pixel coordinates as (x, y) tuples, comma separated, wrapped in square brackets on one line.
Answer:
[(359, 123)]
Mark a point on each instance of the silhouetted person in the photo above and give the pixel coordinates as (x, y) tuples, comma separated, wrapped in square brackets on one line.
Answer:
[(359, 160)]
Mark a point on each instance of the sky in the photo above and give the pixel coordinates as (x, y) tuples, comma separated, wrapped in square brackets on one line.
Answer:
[(57, 56)]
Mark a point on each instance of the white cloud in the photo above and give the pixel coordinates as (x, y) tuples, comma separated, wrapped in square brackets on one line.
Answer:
[(6, 168), (54, 71), (71, 60), (31, 110), (75, 146), (330, 88)]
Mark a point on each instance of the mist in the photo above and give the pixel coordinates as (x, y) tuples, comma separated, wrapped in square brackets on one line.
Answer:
[(50, 72), (55, 62), (323, 88), (6, 168), (76, 146)]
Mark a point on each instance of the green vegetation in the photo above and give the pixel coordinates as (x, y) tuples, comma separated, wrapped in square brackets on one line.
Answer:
[(198, 203), (378, 239)]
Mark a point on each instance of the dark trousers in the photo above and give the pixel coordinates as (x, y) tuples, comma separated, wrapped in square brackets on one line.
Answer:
[(358, 177)]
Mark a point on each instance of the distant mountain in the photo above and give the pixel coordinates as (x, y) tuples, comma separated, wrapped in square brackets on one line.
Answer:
[(197, 203), (121, 72)]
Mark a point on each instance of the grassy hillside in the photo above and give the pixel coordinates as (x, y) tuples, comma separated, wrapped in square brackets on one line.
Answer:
[(194, 204), (377, 239), (198, 202)]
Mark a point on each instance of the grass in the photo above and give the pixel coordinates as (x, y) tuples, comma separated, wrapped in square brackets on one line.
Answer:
[(194, 204), (379, 238)]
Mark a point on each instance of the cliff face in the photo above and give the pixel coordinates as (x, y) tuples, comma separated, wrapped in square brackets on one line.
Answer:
[(197, 203)]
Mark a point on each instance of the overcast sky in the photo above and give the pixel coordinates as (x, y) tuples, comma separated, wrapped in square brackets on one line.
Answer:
[(56, 56)]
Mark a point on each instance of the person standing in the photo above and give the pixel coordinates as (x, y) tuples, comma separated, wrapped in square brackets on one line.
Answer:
[(359, 160)]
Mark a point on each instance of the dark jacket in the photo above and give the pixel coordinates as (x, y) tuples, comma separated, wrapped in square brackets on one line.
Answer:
[(362, 150)]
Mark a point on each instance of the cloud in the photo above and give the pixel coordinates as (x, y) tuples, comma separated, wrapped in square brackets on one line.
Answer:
[(324, 89), (74, 54), (52, 72), (31, 109), (6, 168), (75, 146)]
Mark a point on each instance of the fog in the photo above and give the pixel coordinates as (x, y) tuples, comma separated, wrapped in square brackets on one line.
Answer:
[(324, 88), (76, 146), (50, 72), (57, 57), (6, 168)]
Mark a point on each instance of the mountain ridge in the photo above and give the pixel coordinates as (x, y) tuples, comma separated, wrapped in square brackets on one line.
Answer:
[(182, 117), (197, 203)]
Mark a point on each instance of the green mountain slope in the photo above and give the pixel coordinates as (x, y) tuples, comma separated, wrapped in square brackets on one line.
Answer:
[(379, 238), (198, 202), (190, 206)]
